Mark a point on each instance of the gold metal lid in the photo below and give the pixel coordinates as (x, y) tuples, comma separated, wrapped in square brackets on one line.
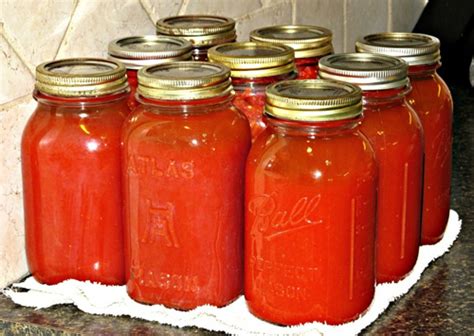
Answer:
[(139, 51), (200, 30), (368, 71), (307, 41), (184, 81), (313, 100), (413, 48), (252, 59), (81, 77)]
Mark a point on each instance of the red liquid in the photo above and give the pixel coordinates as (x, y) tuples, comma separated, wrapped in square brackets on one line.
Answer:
[(184, 179), (310, 223), (307, 67), (72, 189), (250, 99), (133, 83), (395, 133), (431, 100)]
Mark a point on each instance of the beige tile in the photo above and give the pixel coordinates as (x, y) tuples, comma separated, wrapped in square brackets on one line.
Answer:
[(15, 78), (364, 17), (158, 9), (405, 14), (96, 23), (275, 15), (269, 3), (324, 13), (36, 36), (233, 9), (12, 246)]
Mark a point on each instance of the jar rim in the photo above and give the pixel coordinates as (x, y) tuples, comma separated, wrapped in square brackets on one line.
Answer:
[(313, 100), (414, 48), (184, 80), (366, 70), (75, 77), (254, 59), (306, 40), (142, 50)]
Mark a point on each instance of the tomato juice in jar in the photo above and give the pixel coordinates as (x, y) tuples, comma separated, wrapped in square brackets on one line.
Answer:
[(310, 204), (254, 66), (431, 100), (203, 31), (184, 152), (136, 52), (309, 42), (396, 135), (70, 154)]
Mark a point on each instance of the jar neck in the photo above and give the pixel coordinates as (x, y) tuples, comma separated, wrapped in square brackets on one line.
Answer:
[(424, 70), (260, 83), (186, 107), (308, 60), (311, 129), (78, 101), (386, 98)]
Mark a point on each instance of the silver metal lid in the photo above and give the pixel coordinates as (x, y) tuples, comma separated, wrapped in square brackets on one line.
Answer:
[(413, 48), (136, 52), (368, 71)]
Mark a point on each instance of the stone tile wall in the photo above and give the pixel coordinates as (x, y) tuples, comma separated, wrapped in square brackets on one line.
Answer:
[(34, 31)]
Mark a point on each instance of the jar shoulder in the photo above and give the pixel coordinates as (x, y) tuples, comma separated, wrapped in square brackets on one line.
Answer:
[(209, 124), (52, 125), (326, 157)]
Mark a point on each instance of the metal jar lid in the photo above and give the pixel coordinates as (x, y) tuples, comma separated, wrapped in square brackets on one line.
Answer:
[(413, 48), (200, 30), (313, 100), (139, 51), (184, 81), (368, 71), (307, 41), (252, 60), (81, 77)]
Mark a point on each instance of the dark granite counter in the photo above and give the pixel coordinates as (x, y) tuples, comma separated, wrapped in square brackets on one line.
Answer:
[(441, 303)]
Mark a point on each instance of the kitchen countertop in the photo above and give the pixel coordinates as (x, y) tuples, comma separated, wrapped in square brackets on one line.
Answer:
[(442, 302)]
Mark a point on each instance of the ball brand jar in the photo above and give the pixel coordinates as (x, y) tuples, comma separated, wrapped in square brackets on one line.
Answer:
[(184, 154), (203, 31), (431, 100), (71, 172), (309, 42), (254, 66), (395, 132), (311, 184), (139, 51)]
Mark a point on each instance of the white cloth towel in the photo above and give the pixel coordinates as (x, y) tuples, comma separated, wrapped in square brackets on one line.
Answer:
[(235, 318)]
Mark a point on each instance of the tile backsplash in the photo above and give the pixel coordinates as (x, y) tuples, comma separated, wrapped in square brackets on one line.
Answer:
[(34, 31)]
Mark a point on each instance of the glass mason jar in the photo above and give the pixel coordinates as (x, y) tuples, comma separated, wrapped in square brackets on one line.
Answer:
[(310, 206), (184, 152), (396, 134), (203, 31), (254, 66), (309, 42), (431, 100), (70, 154), (136, 52)]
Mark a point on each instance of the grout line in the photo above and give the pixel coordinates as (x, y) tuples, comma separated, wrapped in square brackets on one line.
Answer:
[(12, 44), (184, 7), (147, 11), (389, 16), (344, 15), (16, 101), (68, 28), (258, 11), (293, 10)]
